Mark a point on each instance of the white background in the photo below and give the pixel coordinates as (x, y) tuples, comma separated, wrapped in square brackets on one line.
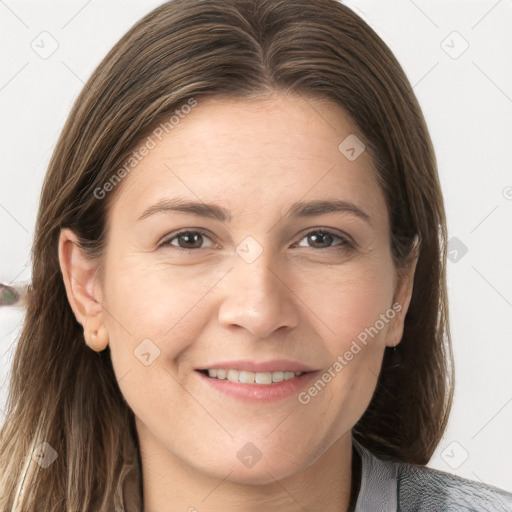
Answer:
[(467, 102)]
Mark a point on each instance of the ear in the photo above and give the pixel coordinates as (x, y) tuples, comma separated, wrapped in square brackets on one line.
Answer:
[(402, 296), (83, 289)]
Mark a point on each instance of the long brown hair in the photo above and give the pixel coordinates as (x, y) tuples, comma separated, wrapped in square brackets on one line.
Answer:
[(65, 394)]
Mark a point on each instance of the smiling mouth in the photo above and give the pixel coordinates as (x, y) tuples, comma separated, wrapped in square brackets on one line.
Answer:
[(246, 377)]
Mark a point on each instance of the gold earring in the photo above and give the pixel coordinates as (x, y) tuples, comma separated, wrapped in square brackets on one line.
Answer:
[(98, 339)]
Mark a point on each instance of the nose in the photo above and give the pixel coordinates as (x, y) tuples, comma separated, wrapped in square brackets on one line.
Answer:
[(258, 297)]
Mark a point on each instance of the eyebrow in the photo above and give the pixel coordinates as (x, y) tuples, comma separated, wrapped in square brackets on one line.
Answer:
[(296, 210)]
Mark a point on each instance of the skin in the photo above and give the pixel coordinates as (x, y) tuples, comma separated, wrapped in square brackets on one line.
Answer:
[(304, 302)]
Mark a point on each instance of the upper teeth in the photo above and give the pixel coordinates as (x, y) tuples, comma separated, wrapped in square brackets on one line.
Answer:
[(251, 377)]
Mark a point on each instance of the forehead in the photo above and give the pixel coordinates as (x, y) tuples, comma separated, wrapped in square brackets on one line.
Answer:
[(240, 152)]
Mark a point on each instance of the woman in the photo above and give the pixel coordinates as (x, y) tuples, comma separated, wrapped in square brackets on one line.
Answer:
[(238, 298)]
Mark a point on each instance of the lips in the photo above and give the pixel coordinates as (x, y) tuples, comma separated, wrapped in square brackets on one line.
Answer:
[(262, 381), (261, 392)]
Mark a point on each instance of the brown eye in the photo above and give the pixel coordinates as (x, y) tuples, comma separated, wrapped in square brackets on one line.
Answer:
[(186, 240), (322, 239)]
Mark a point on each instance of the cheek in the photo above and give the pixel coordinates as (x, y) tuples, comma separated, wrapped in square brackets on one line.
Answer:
[(352, 299), (157, 310), (154, 313), (150, 299), (357, 311)]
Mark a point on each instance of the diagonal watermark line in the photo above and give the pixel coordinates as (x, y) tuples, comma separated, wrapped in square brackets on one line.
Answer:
[(198, 301), (222, 481), (73, 278), (492, 211), (167, 166), (126, 373), (278, 424), (485, 15), (499, 293), (379, 380), (286, 491), (73, 72), (510, 400), (305, 194), (496, 495), (424, 14), (417, 83), (10, 349), (199, 403), (318, 113), (14, 218), (13, 280), (76, 14), (492, 81), (301, 300), (14, 76), (7, 7), (478, 478)]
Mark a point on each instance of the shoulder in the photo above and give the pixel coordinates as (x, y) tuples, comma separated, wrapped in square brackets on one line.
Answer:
[(424, 488), (409, 487)]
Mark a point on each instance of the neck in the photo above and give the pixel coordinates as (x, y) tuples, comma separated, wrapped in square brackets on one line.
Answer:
[(172, 485)]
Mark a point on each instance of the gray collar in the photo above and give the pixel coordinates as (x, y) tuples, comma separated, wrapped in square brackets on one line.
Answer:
[(378, 490)]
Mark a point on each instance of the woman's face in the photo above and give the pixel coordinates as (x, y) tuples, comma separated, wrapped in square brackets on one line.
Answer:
[(259, 289)]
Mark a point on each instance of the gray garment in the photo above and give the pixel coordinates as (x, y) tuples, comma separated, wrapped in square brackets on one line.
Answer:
[(389, 486)]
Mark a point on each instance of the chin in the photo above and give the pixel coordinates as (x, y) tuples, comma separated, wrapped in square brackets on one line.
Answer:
[(258, 471), (263, 474)]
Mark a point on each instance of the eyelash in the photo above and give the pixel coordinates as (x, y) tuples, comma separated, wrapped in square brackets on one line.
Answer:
[(343, 245)]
